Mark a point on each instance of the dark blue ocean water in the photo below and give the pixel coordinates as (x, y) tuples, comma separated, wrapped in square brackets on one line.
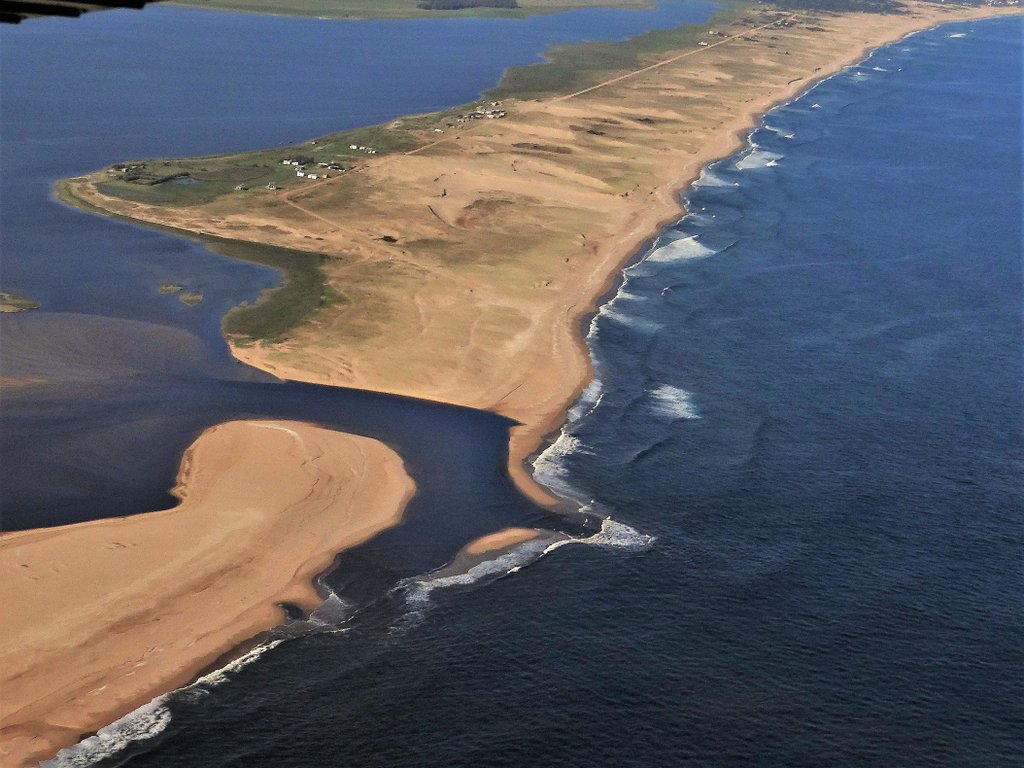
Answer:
[(810, 396)]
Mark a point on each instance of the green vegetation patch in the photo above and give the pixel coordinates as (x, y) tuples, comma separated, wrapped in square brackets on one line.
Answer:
[(10, 302), (571, 68), (279, 310), (303, 290)]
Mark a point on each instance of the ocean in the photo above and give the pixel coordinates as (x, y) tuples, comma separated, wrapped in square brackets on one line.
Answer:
[(804, 442)]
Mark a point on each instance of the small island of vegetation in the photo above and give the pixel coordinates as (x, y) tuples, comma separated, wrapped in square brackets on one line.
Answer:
[(10, 302)]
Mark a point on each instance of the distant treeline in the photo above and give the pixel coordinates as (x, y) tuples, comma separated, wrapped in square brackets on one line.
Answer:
[(867, 6), (458, 5)]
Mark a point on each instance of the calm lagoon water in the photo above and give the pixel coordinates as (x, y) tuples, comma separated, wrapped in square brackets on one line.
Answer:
[(809, 415)]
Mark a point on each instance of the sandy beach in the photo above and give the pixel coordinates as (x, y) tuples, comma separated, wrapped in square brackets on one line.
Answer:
[(467, 269), (468, 265), (100, 617)]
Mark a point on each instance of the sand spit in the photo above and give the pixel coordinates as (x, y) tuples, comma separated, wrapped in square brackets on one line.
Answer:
[(98, 618), (501, 540), (468, 265)]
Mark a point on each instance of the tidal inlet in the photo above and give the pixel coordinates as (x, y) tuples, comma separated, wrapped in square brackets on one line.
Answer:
[(510, 382)]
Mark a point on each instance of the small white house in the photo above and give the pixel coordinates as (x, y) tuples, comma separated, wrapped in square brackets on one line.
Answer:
[(300, 174), (312, 176), (352, 146)]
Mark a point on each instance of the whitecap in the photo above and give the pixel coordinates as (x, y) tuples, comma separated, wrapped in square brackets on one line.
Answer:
[(144, 723), (683, 249), (956, 35), (418, 591), (588, 400), (709, 178), (550, 469), (758, 159), (149, 720), (778, 132), (613, 535), (673, 402), (611, 312)]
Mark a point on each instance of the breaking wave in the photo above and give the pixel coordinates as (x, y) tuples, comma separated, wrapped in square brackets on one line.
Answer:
[(418, 589), (709, 178), (146, 722), (778, 131), (674, 402), (684, 249), (613, 535), (758, 159)]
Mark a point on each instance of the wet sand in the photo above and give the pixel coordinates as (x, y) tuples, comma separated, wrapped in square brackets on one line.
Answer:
[(100, 617)]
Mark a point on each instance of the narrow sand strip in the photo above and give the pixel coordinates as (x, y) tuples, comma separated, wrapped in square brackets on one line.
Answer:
[(98, 618)]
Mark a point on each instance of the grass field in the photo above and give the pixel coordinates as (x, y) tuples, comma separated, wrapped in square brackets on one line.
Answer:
[(396, 9)]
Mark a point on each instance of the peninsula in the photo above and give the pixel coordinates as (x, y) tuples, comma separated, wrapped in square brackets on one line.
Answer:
[(458, 253)]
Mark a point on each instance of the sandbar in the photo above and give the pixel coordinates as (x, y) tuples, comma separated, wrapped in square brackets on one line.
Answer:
[(98, 618)]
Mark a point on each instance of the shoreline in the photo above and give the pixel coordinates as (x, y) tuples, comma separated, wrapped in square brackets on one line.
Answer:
[(522, 460), (531, 438), (524, 329), (108, 614)]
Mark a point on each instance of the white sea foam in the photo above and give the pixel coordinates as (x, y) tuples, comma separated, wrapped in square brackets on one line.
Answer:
[(618, 315), (550, 469), (144, 723), (956, 35), (418, 592), (778, 132), (757, 159), (220, 676), (684, 249), (148, 721), (673, 402), (709, 178), (613, 535), (589, 399)]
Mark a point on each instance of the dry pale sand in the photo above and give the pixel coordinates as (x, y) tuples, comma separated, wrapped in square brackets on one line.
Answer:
[(98, 618), (508, 231)]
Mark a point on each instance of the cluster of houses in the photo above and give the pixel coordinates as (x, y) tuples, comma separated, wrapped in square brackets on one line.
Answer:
[(360, 148), (137, 168), (303, 173), (491, 111)]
